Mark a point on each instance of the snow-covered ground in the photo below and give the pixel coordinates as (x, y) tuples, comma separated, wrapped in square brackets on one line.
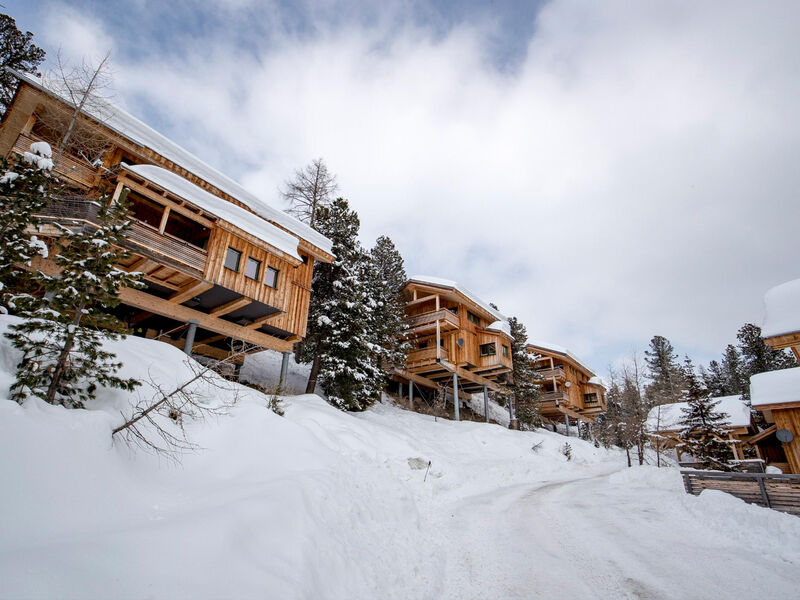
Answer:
[(325, 504)]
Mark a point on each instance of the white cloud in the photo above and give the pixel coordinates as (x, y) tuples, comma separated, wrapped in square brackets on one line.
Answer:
[(636, 174)]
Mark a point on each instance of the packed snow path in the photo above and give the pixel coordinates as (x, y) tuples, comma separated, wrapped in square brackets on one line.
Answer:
[(588, 537)]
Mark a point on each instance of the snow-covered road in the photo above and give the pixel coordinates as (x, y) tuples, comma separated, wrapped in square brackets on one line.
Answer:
[(594, 537)]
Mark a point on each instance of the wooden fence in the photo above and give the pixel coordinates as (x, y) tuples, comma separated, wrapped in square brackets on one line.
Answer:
[(781, 492)]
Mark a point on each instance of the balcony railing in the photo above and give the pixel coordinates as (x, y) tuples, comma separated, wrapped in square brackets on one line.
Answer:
[(139, 236), (427, 321), (557, 372), (425, 356), (554, 397), (74, 169)]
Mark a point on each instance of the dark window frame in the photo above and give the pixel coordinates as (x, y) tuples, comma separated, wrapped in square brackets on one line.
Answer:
[(489, 349), (239, 255), (250, 259), (471, 316), (269, 270)]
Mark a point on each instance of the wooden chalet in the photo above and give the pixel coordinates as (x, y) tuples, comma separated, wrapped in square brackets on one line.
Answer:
[(569, 388), (458, 340), (663, 425), (223, 269), (776, 394)]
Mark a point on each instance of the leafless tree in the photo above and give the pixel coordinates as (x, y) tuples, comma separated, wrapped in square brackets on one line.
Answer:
[(87, 87), (312, 188)]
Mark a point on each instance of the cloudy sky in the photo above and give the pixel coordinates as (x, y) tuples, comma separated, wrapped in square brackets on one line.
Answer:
[(605, 171)]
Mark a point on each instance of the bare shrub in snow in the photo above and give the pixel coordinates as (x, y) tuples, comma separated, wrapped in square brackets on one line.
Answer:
[(566, 450)]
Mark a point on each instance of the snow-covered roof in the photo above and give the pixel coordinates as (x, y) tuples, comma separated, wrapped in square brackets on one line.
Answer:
[(733, 407), (235, 215), (502, 326), (782, 309), (775, 387), (595, 380), (560, 350), (138, 132), (448, 283)]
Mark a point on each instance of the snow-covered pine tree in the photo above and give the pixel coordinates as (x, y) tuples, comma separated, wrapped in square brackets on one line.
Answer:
[(524, 386), (664, 372), (17, 51), (714, 379), (385, 278), (757, 357), (23, 192), (733, 379), (704, 431), (338, 342), (61, 337)]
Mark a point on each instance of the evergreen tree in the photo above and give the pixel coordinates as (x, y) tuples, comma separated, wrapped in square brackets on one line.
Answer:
[(61, 337), (704, 429), (23, 192), (733, 379), (664, 372), (714, 380), (695, 387), (524, 385), (18, 52), (338, 341), (385, 278), (756, 356)]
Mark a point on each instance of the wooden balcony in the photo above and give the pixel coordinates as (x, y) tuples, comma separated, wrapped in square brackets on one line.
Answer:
[(141, 238), (425, 357), (426, 322), (555, 398), (69, 167), (556, 372)]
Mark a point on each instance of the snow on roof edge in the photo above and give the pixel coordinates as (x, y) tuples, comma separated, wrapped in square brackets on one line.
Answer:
[(782, 309), (191, 163), (440, 282), (734, 407), (560, 350), (775, 387)]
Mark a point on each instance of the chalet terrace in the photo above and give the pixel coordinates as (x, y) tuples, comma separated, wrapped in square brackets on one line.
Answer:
[(223, 269)]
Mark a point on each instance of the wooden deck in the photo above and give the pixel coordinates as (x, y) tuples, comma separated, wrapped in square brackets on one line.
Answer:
[(780, 492), (419, 324), (69, 167)]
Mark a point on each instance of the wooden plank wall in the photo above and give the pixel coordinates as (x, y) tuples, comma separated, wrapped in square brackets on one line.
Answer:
[(781, 492), (789, 418)]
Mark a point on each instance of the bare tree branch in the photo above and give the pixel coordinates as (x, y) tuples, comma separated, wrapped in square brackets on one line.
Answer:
[(312, 188)]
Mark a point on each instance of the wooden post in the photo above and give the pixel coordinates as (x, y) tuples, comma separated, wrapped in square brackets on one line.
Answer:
[(284, 371), (764, 495), (455, 396), (438, 342), (486, 402), (411, 394), (187, 347), (437, 302), (566, 422)]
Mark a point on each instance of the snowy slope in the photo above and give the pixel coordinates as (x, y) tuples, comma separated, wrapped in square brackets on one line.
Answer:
[(325, 504)]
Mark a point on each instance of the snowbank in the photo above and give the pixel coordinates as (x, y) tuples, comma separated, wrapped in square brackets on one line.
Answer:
[(775, 387), (782, 309), (667, 417)]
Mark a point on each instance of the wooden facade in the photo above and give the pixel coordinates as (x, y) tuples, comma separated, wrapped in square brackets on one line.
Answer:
[(569, 388), (200, 264), (452, 332)]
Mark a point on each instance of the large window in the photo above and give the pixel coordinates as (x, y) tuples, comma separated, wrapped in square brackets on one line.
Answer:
[(589, 398), (187, 230), (474, 318), (488, 349), (253, 268), (232, 259), (271, 278)]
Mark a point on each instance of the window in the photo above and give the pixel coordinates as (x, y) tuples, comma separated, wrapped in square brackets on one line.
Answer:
[(589, 398), (488, 349), (505, 351), (232, 259), (271, 278), (253, 268), (187, 230), (145, 210), (423, 345), (453, 310), (474, 318)]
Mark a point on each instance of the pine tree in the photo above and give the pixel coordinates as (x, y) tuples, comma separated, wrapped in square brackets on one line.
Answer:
[(714, 380), (385, 279), (733, 379), (338, 342), (663, 372), (757, 357), (524, 385), (23, 192), (704, 427), (17, 51), (61, 337)]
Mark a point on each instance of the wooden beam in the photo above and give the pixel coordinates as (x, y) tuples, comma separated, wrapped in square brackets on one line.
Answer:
[(210, 351), (161, 282), (229, 307), (418, 379), (421, 301), (261, 320), (184, 314), (470, 376), (190, 290)]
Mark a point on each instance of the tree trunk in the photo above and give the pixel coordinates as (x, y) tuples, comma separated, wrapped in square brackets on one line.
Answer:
[(312, 376), (628, 454), (62, 358)]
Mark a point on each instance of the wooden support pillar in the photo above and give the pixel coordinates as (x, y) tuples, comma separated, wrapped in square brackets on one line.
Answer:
[(455, 396), (438, 342), (486, 402), (187, 347), (411, 394), (566, 422), (284, 372)]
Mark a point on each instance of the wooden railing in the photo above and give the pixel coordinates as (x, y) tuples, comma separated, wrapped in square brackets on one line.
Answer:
[(556, 397), (781, 492), (447, 320), (557, 372), (70, 167), (426, 356), (139, 236)]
